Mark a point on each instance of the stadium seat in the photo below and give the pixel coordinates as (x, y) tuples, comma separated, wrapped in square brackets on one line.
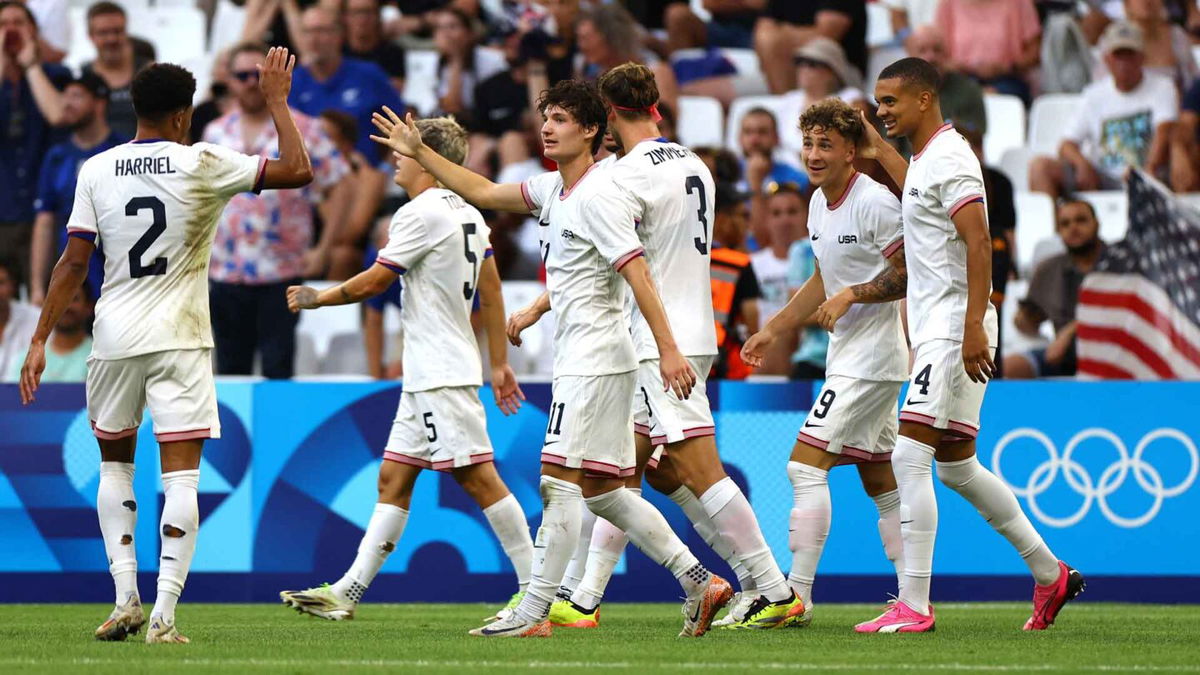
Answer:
[(323, 324), (700, 121), (1049, 119), (1035, 222), (535, 355), (1112, 210), (1014, 163), (177, 31), (420, 81), (307, 361), (228, 20), (201, 67), (878, 59), (738, 109), (1013, 340), (347, 355), (745, 60), (82, 50), (1005, 125), (879, 25)]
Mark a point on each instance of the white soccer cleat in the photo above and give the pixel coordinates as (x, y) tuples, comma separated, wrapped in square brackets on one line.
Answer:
[(320, 602), (698, 610), (508, 609), (737, 609), (514, 626), (161, 632), (125, 620)]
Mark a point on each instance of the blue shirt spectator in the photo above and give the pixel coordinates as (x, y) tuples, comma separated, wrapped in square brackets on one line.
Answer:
[(808, 362), (26, 138)]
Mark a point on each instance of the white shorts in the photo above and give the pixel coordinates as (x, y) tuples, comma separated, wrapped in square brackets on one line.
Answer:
[(940, 394), (440, 429), (662, 415), (590, 424), (177, 385), (854, 418)]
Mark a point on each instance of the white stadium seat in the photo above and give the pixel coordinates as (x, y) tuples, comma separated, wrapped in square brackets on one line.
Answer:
[(1035, 222), (699, 121), (745, 60), (1005, 125), (82, 50), (879, 24), (738, 109), (177, 31), (1014, 163), (1112, 210), (420, 80), (323, 324), (228, 20), (1049, 119), (347, 355)]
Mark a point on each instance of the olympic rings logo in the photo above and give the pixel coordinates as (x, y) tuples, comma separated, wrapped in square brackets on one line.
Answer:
[(1111, 479)]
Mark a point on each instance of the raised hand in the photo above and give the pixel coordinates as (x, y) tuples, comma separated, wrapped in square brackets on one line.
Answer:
[(275, 74), (301, 297), (401, 136), (871, 140)]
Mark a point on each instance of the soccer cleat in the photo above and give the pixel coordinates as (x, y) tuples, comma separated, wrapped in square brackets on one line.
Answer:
[(801, 620), (764, 614), (161, 632), (898, 618), (737, 609), (1049, 600), (566, 614), (514, 626), (320, 601), (125, 620), (699, 610), (508, 609)]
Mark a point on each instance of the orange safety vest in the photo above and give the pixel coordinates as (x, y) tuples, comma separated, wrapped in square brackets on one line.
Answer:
[(727, 266)]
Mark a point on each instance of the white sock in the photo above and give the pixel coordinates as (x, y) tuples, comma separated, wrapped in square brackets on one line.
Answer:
[(179, 526), (578, 564), (508, 522), (731, 513), (998, 505), (808, 525), (604, 552), (117, 508), (888, 504), (912, 462), (383, 531), (553, 545), (707, 529), (649, 531)]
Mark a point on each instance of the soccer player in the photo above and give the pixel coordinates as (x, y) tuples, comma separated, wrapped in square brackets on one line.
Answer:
[(154, 203), (854, 226), (953, 330), (588, 244), (441, 246), (671, 194)]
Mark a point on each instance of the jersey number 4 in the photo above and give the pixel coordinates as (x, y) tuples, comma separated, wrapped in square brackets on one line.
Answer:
[(158, 225)]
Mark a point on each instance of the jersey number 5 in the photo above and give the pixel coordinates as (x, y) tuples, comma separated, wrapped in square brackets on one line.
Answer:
[(158, 225), (694, 183), (473, 258)]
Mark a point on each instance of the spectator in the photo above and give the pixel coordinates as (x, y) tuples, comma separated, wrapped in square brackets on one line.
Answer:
[(70, 342), (789, 24), (731, 24), (961, 97), (1054, 294), (365, 40), (498, 120), (328, 80), (607, 37), (808, 361), (1125, 119), (262, 241), (84, 102), (17, 319), (462, 63), (557, 48), (54, 28), (368, 183), (735, 290), (909, 15), (722, 164), (218, 102), (30, 103), (759, 140), (1168, 50), (821, 71), (998, 42), (787, 221), (116, 63)]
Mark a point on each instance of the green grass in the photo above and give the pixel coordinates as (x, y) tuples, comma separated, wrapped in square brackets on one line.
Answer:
[(633, 638)]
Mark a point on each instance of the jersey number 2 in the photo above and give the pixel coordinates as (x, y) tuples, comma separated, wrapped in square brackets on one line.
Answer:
[(694, 183), (158, 225)]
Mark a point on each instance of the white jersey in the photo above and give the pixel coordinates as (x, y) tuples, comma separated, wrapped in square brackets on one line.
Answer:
[(942, 178), (670, 191), (154, 206), (438, 242), (852, 239), (587, 235)]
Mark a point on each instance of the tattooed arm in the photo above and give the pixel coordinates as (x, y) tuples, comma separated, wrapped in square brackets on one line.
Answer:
[(890, 285)]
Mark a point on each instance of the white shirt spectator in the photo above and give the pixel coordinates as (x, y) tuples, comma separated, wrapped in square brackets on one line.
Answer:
[(772, 276), (1114, 129), (487, 62), (22, 321)]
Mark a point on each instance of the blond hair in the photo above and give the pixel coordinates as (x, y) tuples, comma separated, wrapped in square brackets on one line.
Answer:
[(445, 136)]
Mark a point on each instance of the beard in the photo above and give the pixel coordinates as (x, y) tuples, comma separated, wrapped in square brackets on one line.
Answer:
[(83, 122), (1087, 248)]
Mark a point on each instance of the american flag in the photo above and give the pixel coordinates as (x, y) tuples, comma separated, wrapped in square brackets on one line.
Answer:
[(1139, 311)]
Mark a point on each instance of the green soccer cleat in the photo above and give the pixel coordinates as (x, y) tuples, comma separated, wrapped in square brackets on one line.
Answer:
[(764, 615), (508, 609), (737, 609), (566, 614), (320, 601)]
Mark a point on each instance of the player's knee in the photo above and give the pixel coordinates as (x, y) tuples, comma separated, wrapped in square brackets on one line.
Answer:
[(479, 481), (392, 486), (956, 475), (663, 478), (876, 485), (912, 459)]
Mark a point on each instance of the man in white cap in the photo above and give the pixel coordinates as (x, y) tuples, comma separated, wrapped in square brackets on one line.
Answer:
[(1123, 120)]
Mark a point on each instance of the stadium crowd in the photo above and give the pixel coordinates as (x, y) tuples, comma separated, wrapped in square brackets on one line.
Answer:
[(1125, 71)]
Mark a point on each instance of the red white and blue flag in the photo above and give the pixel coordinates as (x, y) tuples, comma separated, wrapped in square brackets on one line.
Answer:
[(1139, 310)]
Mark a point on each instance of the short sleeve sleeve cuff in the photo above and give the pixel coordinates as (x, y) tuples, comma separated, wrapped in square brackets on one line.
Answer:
[(963, 202), (624, 260), (260, 176)]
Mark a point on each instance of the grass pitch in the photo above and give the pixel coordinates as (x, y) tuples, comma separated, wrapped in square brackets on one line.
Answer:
[(632, 638)]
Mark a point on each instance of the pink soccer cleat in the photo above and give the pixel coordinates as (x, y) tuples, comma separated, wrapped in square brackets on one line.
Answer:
[(1049, 599), (899, 618)]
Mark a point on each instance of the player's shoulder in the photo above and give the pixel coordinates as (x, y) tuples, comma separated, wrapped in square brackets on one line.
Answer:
[(872, 194), (544, 184), (949, 153)]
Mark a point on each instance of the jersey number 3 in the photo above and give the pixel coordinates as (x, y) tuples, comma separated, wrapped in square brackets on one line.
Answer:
[(158, 225), (694, 184)]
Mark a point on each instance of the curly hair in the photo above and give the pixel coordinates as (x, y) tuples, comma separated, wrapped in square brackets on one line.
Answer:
[(582, 101), (162, 89), (833, 114)]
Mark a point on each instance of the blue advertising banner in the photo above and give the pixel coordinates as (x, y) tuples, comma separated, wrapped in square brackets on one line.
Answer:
[(1106, 470)]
